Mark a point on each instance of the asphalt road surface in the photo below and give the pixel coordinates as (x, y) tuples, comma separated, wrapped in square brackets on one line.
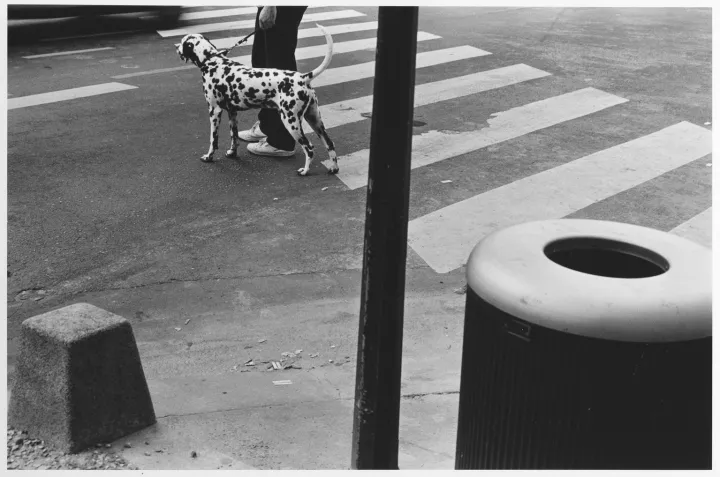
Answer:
[(522, 114)]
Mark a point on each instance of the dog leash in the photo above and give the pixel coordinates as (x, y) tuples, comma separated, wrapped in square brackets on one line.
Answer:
[(241, 41)]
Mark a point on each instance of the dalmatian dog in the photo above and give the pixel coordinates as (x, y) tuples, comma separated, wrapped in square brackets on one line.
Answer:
[(233, 87)]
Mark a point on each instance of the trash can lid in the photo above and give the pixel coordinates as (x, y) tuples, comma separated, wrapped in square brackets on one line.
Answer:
[(510, 270)]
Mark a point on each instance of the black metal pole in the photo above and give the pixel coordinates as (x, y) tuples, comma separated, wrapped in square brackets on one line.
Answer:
[(377, 391)]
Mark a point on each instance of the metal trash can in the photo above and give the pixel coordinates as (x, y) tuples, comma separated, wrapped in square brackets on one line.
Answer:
[(587, 345)]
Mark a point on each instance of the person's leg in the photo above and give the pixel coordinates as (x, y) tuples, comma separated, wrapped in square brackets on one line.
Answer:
[(279, 44), (258, 60)]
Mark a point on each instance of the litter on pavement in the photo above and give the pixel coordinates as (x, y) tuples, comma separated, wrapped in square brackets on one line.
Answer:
[(262, 340), (187, 321), (325, 188), (178, 329), (314, 355), (446, 182), (282, 382), (249, 362)]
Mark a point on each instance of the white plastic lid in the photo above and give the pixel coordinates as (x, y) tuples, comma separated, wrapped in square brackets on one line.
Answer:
[(509, 270)]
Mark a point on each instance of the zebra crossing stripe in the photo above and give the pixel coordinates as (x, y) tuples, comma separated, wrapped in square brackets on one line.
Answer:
[(422, 60), (444, 238), (436, 146), (66, 94), (73, 52), (350, 111), (308, 52), (245, 24), (304, 33), (226, 12), (698, 229), (319, 51)]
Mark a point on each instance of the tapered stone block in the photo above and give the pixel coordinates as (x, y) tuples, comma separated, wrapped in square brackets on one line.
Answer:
[(79, 380)]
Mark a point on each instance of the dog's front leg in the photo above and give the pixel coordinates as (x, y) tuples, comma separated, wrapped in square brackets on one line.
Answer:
[(232, 152), (215, 115)]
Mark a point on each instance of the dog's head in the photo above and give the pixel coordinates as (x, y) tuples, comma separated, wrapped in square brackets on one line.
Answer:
[(198, 49)]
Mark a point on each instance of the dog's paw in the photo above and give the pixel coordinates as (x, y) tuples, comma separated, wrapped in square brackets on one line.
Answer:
[(303, 171), (206, 158), (231, 153), (333, 170)]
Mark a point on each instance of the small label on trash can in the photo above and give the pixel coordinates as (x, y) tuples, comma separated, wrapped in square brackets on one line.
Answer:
[(518, 328)]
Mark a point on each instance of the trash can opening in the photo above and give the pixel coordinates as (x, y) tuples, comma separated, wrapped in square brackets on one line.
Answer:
[(606, 258)]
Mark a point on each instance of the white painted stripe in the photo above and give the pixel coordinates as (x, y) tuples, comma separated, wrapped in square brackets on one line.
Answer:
[(226, 12), (74, 52), (66, 94), (445, 238), (304, 33), (422, 60), (244, 24), (300, 54), (346, 112), (154, 72), (698, 229), (436, 146), (318, 51)]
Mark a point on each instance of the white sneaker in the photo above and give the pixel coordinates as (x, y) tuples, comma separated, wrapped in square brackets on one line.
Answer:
[(254, 134), (262, 148)]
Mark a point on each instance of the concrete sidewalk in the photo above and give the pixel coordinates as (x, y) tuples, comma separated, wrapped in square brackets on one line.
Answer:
[(244, 421), (234, 417)]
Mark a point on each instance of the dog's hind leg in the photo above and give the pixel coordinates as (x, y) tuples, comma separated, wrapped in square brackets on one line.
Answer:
[(232, 152), (296, 131), (313, 118), (215, 116)]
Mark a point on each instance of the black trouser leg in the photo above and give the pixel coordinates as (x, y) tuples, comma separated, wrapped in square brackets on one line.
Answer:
[(275, 48)]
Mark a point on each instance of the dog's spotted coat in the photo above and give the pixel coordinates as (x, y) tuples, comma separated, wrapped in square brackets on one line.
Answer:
[(231, 86)]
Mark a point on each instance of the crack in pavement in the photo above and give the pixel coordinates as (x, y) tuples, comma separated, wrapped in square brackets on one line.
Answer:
[(418, 395), (208, 279), (323, 401), (259, 406)]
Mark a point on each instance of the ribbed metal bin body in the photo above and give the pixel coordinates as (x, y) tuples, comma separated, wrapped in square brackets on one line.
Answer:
[(536, 398)]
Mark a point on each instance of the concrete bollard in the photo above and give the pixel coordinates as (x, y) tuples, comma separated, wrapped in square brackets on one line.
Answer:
[(79, 380), (587, 345)]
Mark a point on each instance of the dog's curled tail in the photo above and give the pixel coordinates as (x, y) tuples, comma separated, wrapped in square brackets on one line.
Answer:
[(328, 56)]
